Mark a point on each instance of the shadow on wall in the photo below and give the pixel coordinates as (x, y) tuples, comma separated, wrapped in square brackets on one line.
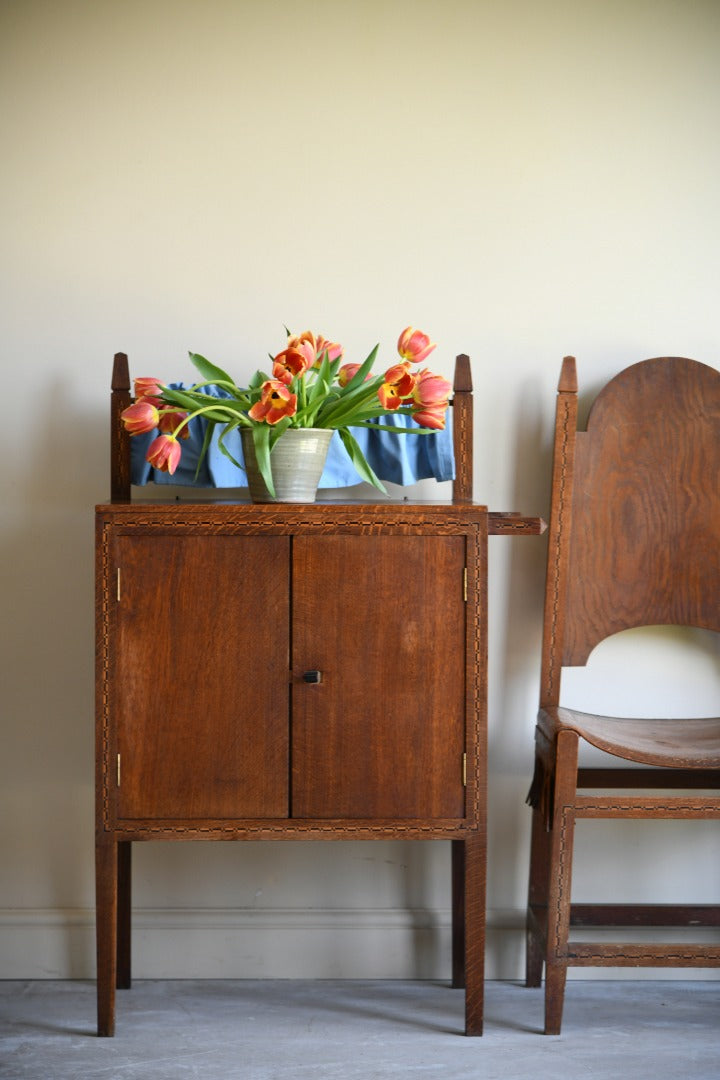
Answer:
[(519, 650), (518, 573), (47, 651)]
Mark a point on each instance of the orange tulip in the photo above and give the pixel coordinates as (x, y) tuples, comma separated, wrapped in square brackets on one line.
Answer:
[(431, 389), (146, 387), (275, 402), (333, 350), (398, 386), (347, 372), (293, 361), (318, 344), (164, 453), (430, 396), (306, 338), (141, 417), (171, 419), (431, 417), (389, 397), (414, 346)]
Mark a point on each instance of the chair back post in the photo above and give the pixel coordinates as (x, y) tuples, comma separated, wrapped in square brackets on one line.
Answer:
[(119, 438), (558, 531), (462, 403)]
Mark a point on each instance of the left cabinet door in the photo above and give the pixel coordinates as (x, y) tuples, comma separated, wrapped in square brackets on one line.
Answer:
[(199, 644)]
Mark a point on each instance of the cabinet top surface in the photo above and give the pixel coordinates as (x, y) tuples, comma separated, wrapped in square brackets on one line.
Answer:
[(273, 516), (230, 509)]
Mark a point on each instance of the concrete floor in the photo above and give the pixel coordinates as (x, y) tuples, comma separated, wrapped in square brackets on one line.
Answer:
[(293, 1030)]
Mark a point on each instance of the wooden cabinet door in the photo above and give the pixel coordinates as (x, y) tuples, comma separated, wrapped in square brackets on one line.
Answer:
[(199, 686), (382, 618)]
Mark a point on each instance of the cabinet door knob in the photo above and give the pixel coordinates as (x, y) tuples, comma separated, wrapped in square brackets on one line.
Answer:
[(312, 676)]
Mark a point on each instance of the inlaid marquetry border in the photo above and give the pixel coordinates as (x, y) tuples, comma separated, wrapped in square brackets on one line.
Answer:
[(555, 557)]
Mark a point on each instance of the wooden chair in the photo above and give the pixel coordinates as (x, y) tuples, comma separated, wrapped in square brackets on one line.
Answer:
[(634, 540)]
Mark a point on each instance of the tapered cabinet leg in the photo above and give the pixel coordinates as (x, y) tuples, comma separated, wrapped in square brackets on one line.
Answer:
[(124, 908), (458, 913), (474, 891), (106, 880)]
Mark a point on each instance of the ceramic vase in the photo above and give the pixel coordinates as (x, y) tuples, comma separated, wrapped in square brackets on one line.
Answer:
[(297, 460)]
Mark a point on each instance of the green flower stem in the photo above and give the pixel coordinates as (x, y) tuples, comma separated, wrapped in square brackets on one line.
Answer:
[(208, 408), (226, 384)]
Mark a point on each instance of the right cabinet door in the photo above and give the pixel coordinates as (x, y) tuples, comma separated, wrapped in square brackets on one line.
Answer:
[(382, 619)]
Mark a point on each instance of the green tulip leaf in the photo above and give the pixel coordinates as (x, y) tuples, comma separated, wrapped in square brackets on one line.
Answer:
[(359, 377), (220, 409), (359, 461), (276, 430), (261, 442), (208, 370), (221, 442)]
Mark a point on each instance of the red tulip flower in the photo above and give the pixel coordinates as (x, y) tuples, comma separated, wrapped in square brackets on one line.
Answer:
[(318, 344), (147, 387), (430, 396), (170, 419), (306, 338), (431, 417), (333, 350), (141, 417), (164, 453), (347, 372), (293, 361), (414, 346), (275, 402), (398, 386)]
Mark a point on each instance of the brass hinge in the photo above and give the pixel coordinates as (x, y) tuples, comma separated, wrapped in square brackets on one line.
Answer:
[(118, 770), (465, 584), (464, 770), (118, 584)]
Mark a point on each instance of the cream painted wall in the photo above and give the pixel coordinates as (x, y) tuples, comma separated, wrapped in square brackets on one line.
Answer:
[(523, 180)]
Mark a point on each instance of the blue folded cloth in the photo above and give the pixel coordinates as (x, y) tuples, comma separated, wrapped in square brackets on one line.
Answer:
[(397, 459)]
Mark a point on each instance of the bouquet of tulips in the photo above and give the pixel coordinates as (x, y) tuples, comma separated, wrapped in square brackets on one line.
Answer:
[(309, 386)]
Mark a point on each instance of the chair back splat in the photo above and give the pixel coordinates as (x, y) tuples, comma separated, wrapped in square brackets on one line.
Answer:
[(634, 540)]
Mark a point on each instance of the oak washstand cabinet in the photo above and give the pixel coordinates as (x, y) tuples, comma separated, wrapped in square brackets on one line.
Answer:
[(291, 671)]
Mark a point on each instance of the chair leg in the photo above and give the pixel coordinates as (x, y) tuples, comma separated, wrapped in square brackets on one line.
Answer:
[(561, 849), (537, 899), (555, 978)]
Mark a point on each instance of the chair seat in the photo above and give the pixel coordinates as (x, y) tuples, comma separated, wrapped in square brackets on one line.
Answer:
[(680, 744)]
